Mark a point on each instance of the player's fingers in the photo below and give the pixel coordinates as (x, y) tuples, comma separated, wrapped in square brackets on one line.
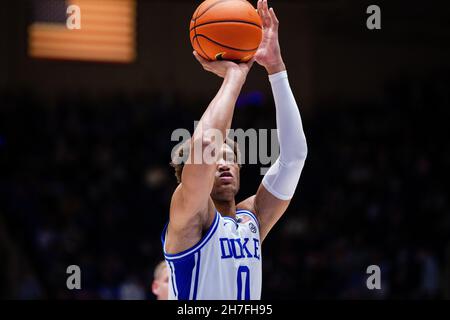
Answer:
[(262, 14), (274, 17), (266, 15), (199, 58), (203, 62), (265, 8), (259, 7)]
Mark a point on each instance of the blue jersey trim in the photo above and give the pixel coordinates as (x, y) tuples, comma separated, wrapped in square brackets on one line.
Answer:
[(184, 271), (194, 297), (173, 282), (212, 229), (251, 214), (163, 233)]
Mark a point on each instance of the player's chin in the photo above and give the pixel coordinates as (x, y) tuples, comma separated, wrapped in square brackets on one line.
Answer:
[(227, 183), (224, 194), (226, 186)]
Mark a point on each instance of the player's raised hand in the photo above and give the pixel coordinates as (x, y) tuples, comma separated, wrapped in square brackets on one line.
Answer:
[(268, 54), (222, 68)]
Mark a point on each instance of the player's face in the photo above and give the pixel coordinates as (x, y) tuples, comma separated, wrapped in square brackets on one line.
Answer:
[(226, 182)]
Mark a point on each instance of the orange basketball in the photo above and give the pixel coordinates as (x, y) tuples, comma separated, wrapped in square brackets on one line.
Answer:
[(226, 30)]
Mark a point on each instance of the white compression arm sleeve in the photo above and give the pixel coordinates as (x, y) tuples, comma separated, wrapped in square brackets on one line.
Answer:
[(282, 178)]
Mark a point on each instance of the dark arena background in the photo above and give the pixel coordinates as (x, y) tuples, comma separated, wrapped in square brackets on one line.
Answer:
[(85, 145)]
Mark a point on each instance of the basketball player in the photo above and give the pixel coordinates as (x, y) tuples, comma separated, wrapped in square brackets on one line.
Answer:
[(160, 281), (211, 244)]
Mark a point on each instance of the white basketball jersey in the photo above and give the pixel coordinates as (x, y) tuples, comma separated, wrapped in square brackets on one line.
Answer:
[(224, 265)]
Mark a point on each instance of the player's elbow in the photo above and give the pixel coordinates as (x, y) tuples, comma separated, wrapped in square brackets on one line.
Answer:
[(207, 140), (305, 151), (301, 150), (297, 154), (201, 143)]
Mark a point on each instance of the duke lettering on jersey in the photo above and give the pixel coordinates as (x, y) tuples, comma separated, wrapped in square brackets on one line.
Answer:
[(239, 248), (224, 265)]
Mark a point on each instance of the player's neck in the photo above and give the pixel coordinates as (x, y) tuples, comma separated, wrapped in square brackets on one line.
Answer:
[(226, 208)]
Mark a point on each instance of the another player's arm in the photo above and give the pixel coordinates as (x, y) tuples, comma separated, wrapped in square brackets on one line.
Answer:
[(278, 185), (191, 207)]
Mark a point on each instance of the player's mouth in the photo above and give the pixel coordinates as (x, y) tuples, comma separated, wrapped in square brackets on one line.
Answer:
[(226, 176)]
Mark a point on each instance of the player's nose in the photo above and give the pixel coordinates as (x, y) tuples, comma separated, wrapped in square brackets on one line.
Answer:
[(223, 166)]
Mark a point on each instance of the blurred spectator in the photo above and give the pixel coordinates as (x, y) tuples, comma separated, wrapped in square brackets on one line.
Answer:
[(161, 281)]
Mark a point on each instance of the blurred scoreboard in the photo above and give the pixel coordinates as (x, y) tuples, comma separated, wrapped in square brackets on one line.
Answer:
[(107, 30)]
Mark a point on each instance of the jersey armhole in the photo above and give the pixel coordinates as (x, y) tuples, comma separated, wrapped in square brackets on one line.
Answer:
[(211, 230)]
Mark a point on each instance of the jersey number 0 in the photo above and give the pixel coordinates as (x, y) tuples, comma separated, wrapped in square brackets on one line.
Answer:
[(243, 271)]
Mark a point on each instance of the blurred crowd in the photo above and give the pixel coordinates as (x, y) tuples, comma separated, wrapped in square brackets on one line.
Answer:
[(86, 181)]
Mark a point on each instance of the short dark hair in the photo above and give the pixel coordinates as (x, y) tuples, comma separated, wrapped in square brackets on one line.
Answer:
[(180, 157)]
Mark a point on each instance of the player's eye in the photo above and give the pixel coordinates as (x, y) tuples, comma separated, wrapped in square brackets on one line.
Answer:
[(229, 158)]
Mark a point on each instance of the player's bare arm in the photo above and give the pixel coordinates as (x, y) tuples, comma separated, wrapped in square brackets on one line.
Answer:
[(277, 188), (192, 210)]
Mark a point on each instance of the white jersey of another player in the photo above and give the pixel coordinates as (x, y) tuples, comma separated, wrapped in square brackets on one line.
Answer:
[(224, 265)]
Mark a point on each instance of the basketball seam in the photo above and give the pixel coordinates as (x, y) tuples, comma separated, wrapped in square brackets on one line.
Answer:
[(213, 5), (220, 21), (196, 38), (222, 45)]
